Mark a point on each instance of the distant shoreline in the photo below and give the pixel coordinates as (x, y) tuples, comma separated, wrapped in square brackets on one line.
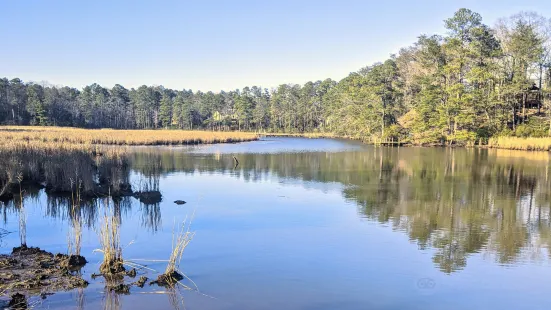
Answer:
[(65, 136)]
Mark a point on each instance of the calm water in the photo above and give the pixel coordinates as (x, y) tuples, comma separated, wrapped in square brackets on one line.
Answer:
[(323, 224)]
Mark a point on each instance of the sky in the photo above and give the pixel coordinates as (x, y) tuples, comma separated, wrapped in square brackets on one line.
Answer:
[(217, 45)]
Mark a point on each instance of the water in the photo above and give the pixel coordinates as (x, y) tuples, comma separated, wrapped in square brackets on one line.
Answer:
[(322, 224)]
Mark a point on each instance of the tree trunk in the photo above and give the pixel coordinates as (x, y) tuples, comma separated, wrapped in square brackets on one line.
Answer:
[(514, 120), (523, 107)]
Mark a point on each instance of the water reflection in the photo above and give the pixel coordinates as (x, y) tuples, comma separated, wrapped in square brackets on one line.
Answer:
[(456, 202)]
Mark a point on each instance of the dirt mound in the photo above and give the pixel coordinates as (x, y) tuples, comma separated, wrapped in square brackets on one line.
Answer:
[(149, 197), (141, 282), (18, 301), (120, 288), (31, 270), (112, 268), (168, 279), (24, 250)]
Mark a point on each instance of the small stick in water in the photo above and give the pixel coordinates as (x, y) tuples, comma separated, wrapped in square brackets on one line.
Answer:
[(236, 162)]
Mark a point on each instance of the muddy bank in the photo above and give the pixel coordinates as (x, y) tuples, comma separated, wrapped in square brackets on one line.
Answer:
[(32, 271), (168, 279), (12, 192)]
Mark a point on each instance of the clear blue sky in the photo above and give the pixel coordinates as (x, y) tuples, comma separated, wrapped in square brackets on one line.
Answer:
[(213, 45)]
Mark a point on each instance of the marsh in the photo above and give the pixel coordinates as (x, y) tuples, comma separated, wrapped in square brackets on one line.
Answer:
[(313, 224)]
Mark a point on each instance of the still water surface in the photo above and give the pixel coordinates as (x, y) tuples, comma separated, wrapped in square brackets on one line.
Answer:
[(323, 224)]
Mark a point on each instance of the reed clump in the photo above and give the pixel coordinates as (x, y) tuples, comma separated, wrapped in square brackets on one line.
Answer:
[(109, 237), (309, 135), (100, 170), (67, 135), (181, 238), (75, 234), (524, 144)]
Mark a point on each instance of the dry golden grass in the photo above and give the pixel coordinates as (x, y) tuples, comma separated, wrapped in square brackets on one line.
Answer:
[(520, 155), (180, 240), (75, 234), (58, 166), (66, 135), (310, 135), (524, 144), (109, 238)]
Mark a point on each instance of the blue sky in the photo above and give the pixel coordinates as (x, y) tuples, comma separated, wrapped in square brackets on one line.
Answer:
[(213, 45)]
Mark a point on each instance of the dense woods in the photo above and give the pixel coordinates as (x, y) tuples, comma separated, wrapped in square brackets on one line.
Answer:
[(471, 83)]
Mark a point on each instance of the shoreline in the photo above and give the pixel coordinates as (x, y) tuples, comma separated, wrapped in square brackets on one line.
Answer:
[(119, 137), (529, 144), (35, 136)]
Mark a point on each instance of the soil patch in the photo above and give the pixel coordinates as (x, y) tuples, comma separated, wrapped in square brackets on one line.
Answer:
[(33, 271), (168, 279), (141, 282), (149, 198), (112, 267), (18, 301)]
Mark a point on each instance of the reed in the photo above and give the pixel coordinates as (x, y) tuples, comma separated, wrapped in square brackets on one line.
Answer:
[(516, 143), (67, 135), (99, 169), (22, 215), (75, 235), (180, 240), (309, 135), (109, 238)]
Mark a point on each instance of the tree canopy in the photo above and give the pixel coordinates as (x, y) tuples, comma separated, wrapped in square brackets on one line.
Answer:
[(469, 84)]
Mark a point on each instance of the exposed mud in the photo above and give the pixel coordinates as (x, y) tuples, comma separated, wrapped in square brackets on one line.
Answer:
[(132, 273), (168, 279), (121, 288), (11, 191), (113, 267), (141, 282), (18, 301), (32, 271), (149, 197)]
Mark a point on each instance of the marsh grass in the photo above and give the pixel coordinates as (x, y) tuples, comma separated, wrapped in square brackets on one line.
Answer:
[(22, 215), (67, 135), (309, 135), (56, 166), (75, 234), (181, 237), (109, 238), (180, 240), (524, 144)]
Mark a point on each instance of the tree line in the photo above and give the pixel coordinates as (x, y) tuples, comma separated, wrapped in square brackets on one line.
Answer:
[(471, 83)]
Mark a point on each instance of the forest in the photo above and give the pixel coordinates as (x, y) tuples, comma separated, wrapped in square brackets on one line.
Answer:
[(465, 86)]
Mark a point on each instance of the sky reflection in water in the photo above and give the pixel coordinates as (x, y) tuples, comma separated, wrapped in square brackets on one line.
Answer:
[(325, 224)]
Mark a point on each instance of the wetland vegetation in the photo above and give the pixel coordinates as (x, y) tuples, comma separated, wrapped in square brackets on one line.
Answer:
[(276, 214), (456, 205), (467, 86)]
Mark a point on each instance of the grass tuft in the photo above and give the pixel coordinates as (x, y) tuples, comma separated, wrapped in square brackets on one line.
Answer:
[(67, 135), (109, 237), (180, 240), (524, 144)]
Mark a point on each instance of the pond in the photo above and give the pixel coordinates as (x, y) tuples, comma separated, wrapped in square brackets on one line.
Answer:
[(317, 224)]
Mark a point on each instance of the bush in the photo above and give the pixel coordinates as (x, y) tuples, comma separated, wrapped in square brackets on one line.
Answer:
[(536, 127)]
